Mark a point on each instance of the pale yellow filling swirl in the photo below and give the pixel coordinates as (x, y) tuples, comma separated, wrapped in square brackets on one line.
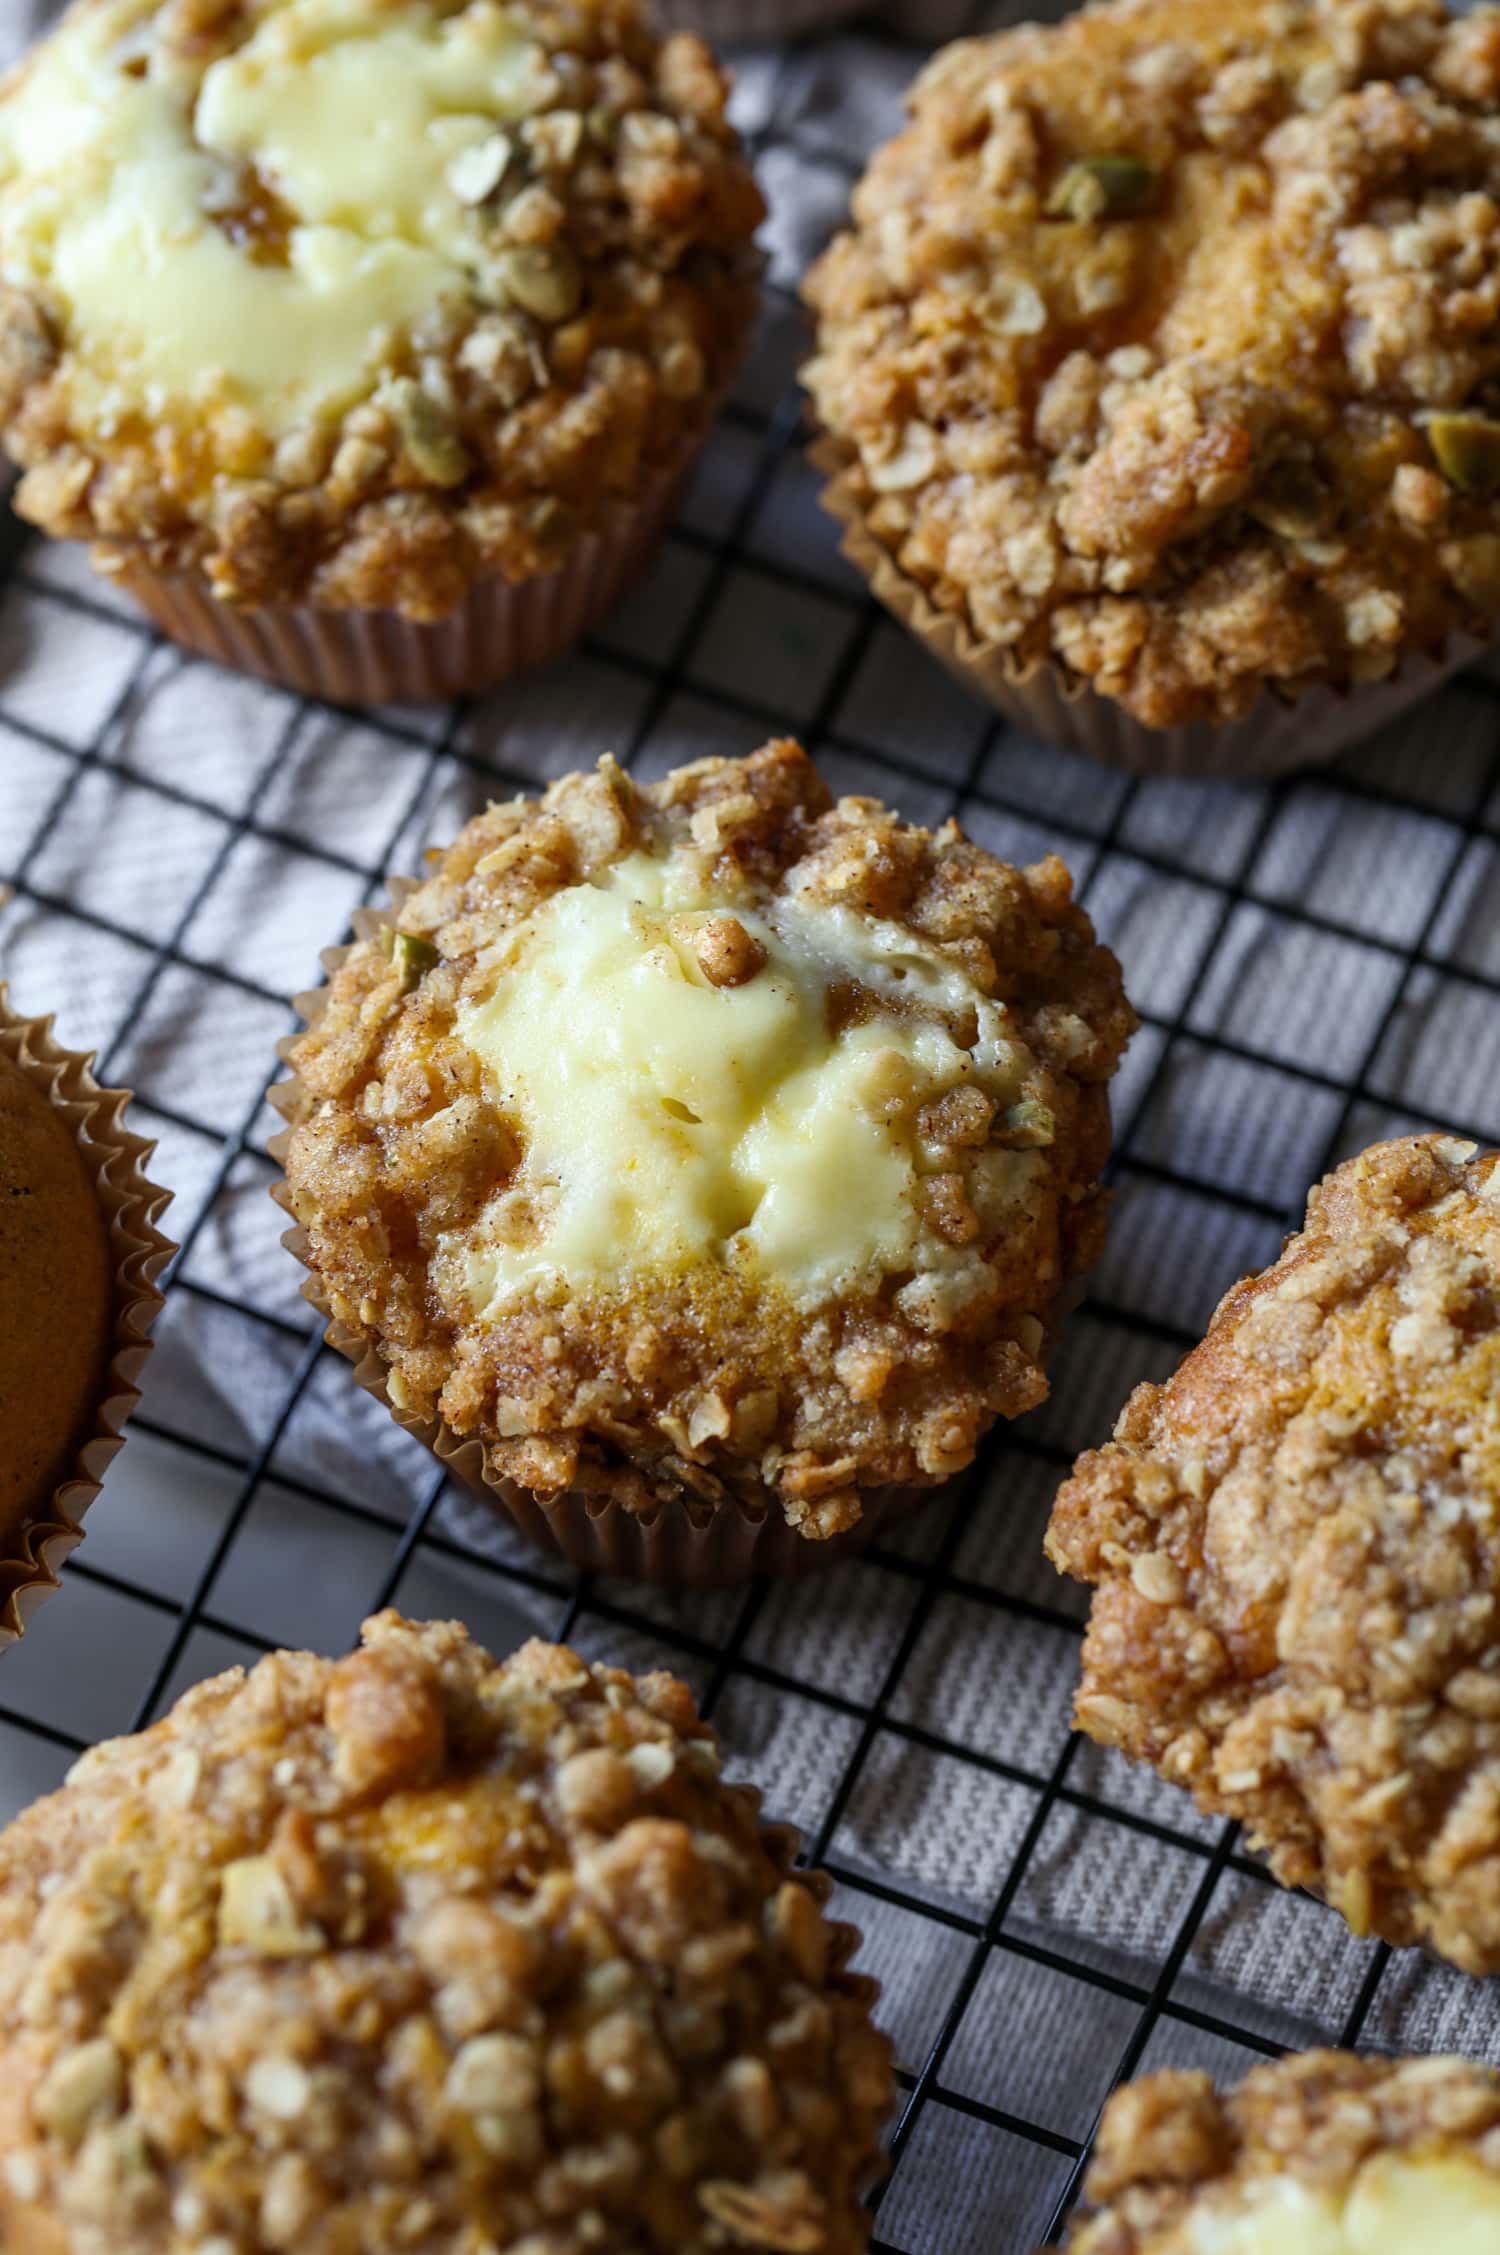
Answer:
[(115, 171)]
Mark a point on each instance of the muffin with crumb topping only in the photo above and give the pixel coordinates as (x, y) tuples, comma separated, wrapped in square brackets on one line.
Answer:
[(1295, 1552), (1317, 2154), (704, 1166), (368, 345), (1160, 370), (417, 1950)]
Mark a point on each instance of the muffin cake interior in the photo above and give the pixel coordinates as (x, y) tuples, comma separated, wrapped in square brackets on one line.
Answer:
[(710, 1133)]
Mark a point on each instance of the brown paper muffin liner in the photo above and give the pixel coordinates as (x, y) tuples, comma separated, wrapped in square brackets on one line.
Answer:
[(726, 21), (681, 1545), (1280, 731), (501, 628), (132, 1205)]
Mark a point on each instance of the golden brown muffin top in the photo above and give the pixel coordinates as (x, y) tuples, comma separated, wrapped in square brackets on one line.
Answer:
[(1295, 1547), (1319, 2154), (415, 1950), (1159, 342), (56, 1297), (352, 303), (710, 1138)]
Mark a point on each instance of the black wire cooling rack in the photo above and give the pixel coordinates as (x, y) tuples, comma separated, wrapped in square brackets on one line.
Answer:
[(1316, 963)]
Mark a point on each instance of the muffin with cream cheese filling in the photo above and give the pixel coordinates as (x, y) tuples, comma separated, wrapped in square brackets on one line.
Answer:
[(711, 1158), (1161, 369), (1295, 1552), (367, 343), (1317, 2154), (416, 1950)]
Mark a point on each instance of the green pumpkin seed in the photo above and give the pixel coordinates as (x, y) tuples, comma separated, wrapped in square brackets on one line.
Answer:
[(1107, 187), (545, 283), (1030, 1125), (428, 438), (1467, 447), (411, 955)]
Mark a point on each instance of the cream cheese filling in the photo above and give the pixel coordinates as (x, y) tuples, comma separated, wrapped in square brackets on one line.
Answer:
[(666, 1122), (1396, 2205), (111, 174)]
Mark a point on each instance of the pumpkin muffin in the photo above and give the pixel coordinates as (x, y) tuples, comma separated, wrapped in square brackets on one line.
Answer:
[(1321, 2154), (367, 343), (1295, 1547), (412, 1949), (79, 1258), (712, 1158), (57, 1294), (1161, 367)]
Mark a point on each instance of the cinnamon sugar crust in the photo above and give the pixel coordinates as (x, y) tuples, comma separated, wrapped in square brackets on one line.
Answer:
[(596, 306), (694, 1379), (1135, 346), (1176, 2164), (1295, 1549), (415, 1950)]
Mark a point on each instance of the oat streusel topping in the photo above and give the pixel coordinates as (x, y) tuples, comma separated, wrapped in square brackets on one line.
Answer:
[(1166, 344), (1295, 1547), (411, 1950), (356, 303), (1318, 2154), (710, 1138)]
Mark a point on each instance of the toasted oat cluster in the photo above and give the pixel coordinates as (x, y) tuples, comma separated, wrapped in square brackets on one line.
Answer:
[(411, 1950), (710, 1138), (356, 303), (1165, 345), (1320, 2154), (1295, 1547)]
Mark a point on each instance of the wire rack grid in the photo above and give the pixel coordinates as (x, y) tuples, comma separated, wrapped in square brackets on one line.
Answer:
[(1316, 964)]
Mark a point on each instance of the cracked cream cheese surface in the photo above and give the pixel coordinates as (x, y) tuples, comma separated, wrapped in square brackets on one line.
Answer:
[(665, 1121), (1396, 2206), (124, 195)]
